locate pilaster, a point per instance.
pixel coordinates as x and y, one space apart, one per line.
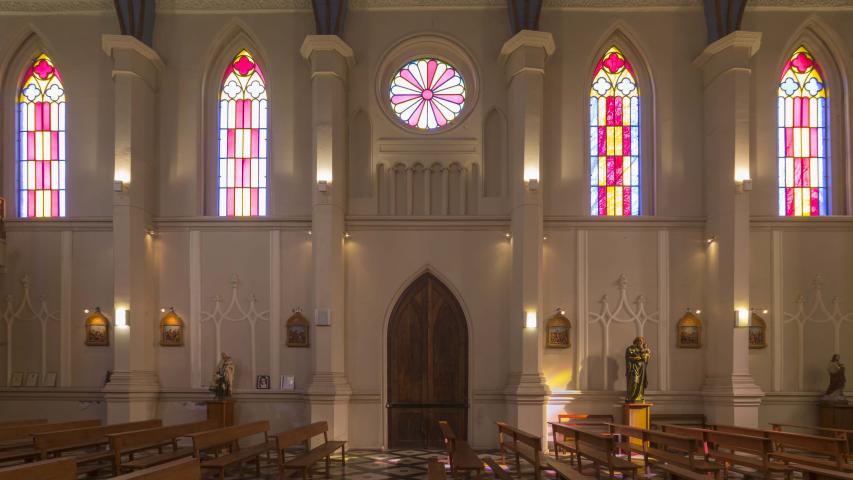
131 393
731 395
329 392
524 57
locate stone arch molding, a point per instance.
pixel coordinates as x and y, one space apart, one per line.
625 311
22 310
236 35
621 36
440 46
24 46
815 310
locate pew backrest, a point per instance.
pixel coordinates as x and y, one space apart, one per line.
227 436
832 447
302 435
26 431
184 469
55 469
520 436
123 440
49 441
688 432
753 432
17 423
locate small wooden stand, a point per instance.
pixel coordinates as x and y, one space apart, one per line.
637 415
222 411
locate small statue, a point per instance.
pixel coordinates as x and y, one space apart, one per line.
637 357
835 391
223 377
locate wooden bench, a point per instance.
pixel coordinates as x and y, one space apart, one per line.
564 471
498 472
522 445
56 469
311 456
435 470
673 454
684 419
229 438
22 435
17 423
462 457
825 431
184 469
78 440
598 448
129 443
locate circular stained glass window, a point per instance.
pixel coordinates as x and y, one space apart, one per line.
427 94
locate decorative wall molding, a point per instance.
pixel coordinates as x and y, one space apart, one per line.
816 311
172 224
419 189
626 311
568 222
582 271
235 312
24 310
840 223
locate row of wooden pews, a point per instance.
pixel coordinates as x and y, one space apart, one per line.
148 450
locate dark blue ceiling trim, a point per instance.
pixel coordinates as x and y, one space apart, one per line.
329 16
136 18
524 14
723 17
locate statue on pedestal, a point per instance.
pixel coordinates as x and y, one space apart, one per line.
637 357
835 391
223 377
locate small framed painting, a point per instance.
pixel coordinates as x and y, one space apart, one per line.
171 330
49 379
287 383
97 329
757 332
32 379
298 331
262 382
17 379
689 331
557 331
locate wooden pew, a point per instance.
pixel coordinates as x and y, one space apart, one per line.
498 472
183 469
128 443
696 420
523 445
229 437
92 438
564 471
18 423
825 431
674 454
56 469
589 421
435 470
462 458
598 448
311 456
22 435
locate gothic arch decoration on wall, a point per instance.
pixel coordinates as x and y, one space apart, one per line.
803 137
815 310
40 139
625 312
242 160
614 138
25 310
235 312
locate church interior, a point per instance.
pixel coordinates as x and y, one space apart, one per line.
376 239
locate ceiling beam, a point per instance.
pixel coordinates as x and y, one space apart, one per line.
723 17
523 14
136 18
329 16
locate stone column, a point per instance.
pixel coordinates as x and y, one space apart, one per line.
524 57
731 395
329 391
133 389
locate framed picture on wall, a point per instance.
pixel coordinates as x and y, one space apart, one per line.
171 330
689 331
757 332
97 329
287 382
49 379
17 379
298 330
557 331
262 382
32 379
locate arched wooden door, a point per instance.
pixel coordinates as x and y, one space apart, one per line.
427 366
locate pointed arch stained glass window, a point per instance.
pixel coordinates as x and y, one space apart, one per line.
41 141
243 139
614 137
803 137
427 94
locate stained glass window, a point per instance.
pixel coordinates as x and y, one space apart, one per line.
243 139
803 137
427 93
614 137
41 141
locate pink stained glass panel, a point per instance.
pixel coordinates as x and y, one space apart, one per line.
427 94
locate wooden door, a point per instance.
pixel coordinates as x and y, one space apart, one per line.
427 366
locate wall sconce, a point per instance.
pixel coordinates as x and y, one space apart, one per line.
530 320
122 317
711 240
741 318
322 186
533 184
346 236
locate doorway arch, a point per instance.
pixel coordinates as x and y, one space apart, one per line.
427 365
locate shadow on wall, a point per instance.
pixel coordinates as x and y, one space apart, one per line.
594 366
